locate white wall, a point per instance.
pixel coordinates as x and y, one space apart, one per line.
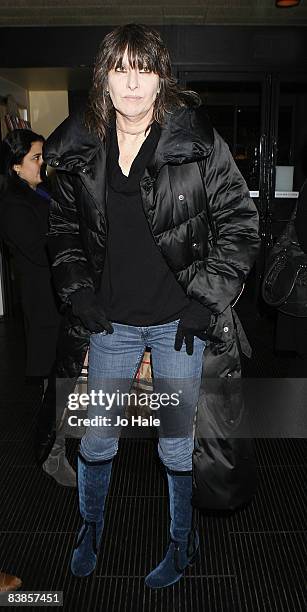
19 93
47 110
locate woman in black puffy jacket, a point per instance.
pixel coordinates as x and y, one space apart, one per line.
138 262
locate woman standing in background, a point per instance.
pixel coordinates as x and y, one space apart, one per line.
24 211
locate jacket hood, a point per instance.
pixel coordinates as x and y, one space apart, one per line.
186 136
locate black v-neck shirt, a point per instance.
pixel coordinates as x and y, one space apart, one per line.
137 286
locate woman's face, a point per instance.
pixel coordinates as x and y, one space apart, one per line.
132 90
29 168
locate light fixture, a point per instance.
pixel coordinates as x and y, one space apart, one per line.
286 3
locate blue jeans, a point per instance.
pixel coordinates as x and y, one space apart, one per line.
114 360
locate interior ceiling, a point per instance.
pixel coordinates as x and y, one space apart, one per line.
157 12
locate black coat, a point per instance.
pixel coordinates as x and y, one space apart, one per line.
291 332
173 199
23 226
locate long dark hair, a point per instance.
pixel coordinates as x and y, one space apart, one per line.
145 47
14 147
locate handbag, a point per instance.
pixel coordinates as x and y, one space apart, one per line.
224 465
284 284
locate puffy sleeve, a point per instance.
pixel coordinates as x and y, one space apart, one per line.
69 263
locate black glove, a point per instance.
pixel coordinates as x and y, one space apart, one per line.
194 322
88 309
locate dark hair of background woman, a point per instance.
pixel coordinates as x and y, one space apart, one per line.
145 48
14 147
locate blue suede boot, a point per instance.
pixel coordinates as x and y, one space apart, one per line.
93 485
184 540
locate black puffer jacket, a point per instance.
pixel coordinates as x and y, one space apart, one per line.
173 198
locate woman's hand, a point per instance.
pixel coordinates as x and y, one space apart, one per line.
194 321
88 309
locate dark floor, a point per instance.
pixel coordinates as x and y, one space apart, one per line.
252 561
